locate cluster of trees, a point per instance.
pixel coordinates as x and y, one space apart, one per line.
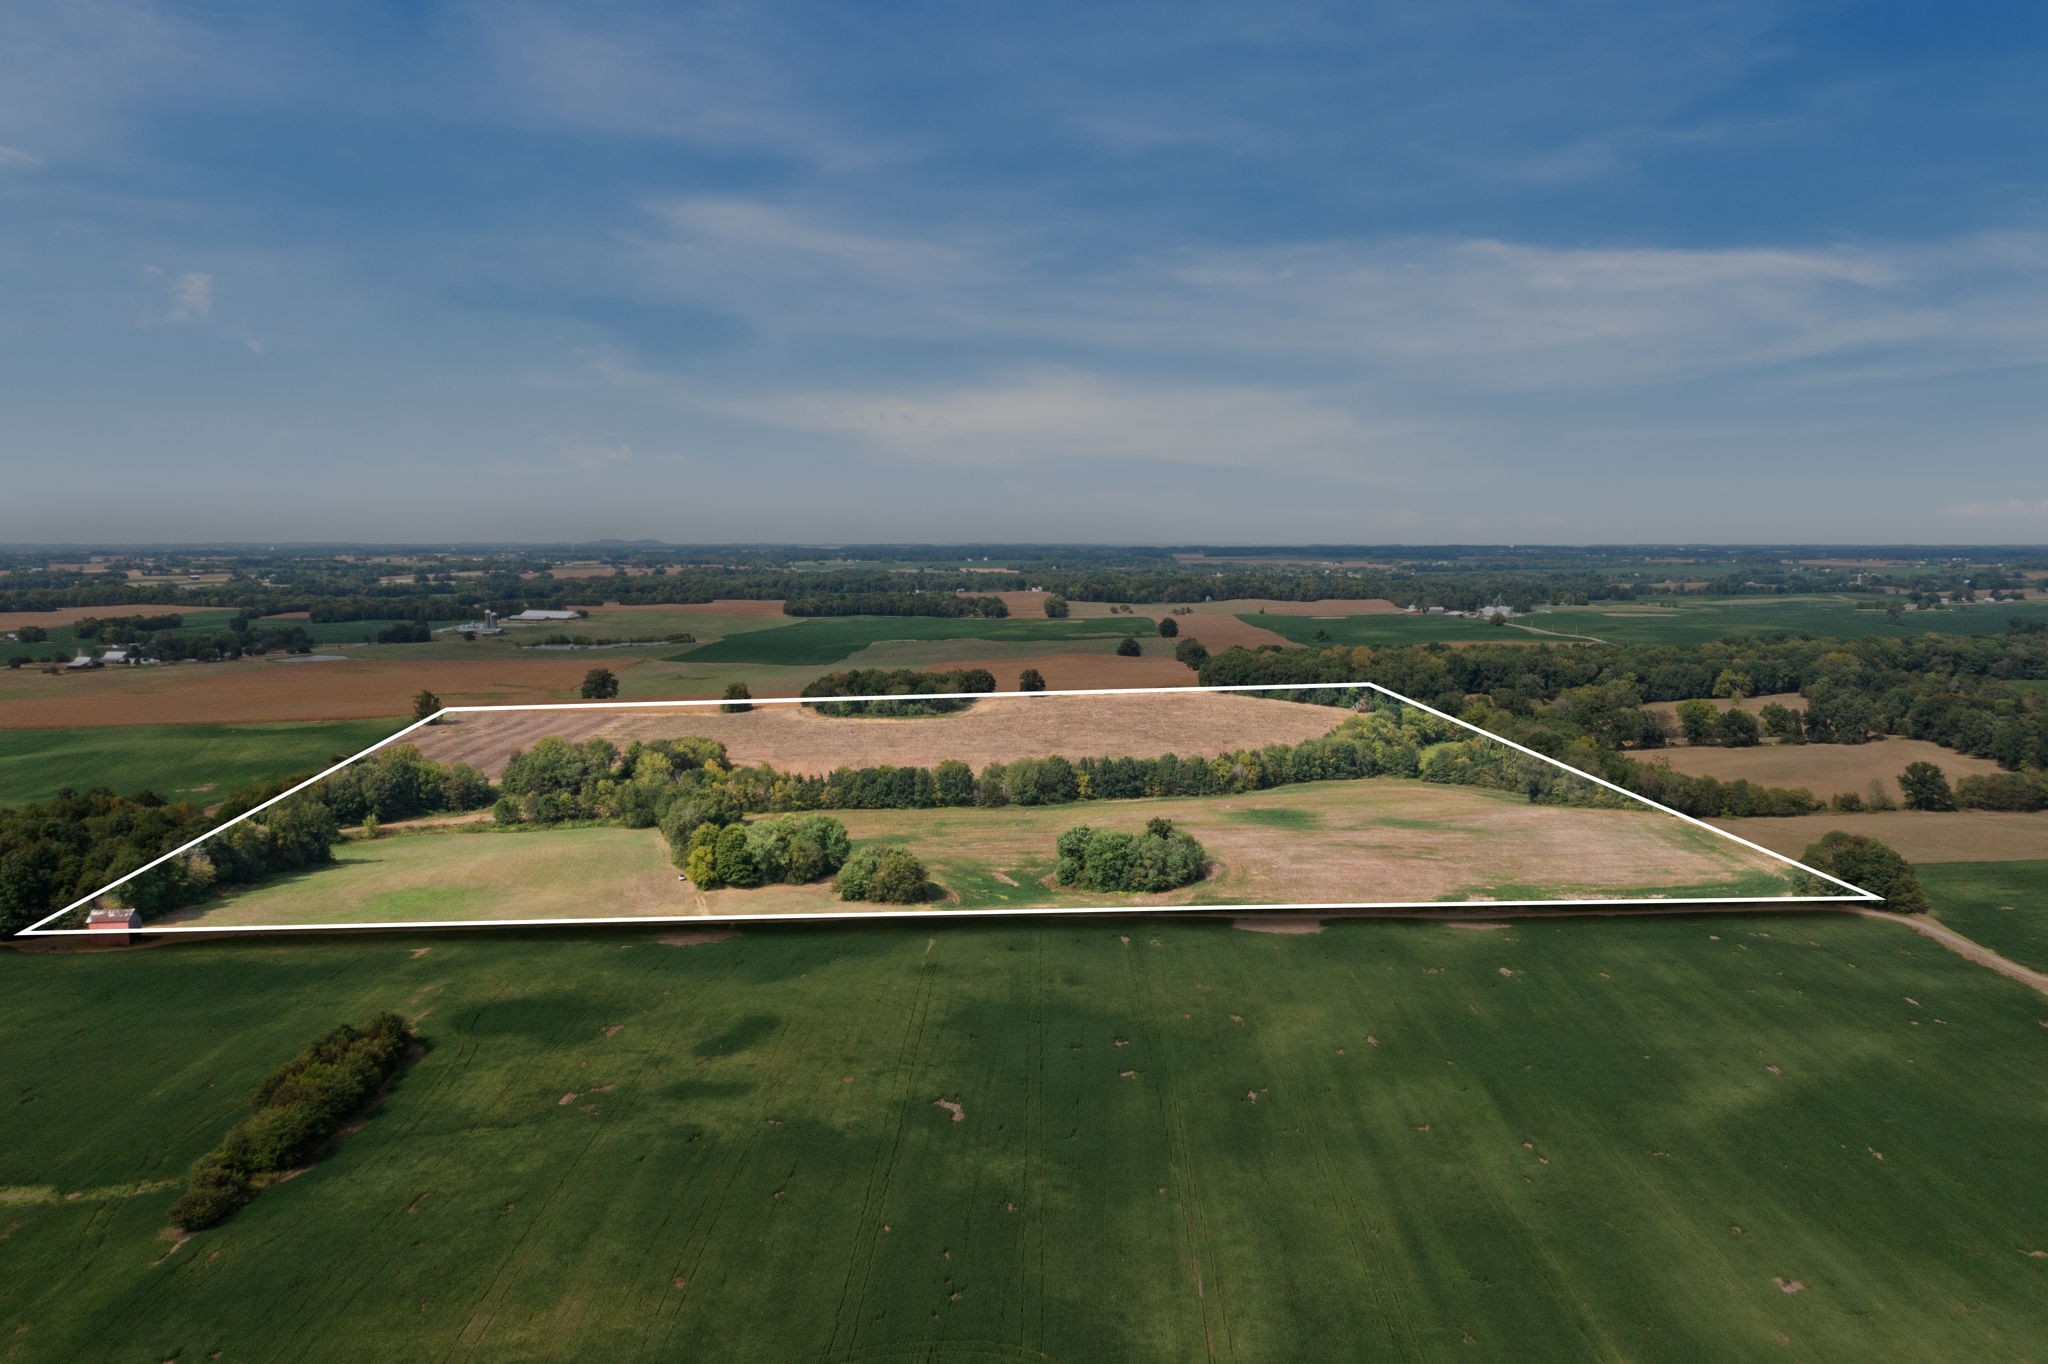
1926 787
403 632
894 604
1864 861
1702 723
898 682
54 851
792 849
398 783
297 1108
1160 858
889 876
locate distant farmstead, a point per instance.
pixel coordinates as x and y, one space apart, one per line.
542 617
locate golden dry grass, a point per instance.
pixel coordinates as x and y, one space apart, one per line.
1919 835
1823 769
796 739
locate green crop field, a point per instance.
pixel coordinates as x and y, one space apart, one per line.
830 639
178 762
1691 621
2003 905
1678 1138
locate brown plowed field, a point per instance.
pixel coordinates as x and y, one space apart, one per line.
1077 672
1918 835
64 615
264 689
795 739
1023 605
1824 769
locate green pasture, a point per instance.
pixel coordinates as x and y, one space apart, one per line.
178 762
829 639
2003 905
1675 1138
1690 620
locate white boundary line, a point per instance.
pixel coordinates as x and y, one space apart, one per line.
1857 893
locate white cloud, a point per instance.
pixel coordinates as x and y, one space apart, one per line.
188 297
14 158
2013 508
591 458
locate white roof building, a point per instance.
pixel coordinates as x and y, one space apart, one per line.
539 617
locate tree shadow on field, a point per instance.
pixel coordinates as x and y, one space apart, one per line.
748 1032
684 1090
541 1015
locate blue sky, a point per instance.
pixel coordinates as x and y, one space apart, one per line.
1428 271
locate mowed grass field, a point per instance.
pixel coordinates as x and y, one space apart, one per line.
1678 1138
178 762
2003 905
1340 842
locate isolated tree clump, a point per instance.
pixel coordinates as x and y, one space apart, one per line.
888 876
1031 680
1864 861
425 705
1055 607
1161 858
1926 788
600 684
737 698
1736 728
1192 652
1168 627
1698 722
795 850
1127 647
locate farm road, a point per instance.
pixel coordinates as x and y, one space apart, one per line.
1964 947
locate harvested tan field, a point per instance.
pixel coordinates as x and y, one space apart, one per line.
1920 836
1023 605
65 615
265 689
1790 700
796 739
723 606
1823 769
291 615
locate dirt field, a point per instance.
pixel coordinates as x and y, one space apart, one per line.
65 615
1023 605
266 689
794 739
1072 672
1823 769
1919 836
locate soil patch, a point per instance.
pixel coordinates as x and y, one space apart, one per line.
1918 835
1824 769
959 1113
692 937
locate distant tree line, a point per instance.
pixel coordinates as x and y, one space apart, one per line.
894 604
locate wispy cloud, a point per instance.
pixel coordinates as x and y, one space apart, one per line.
187 296
2011 509
592 458
14 158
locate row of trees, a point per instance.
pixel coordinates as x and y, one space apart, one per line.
794 849
895 604
297 1109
